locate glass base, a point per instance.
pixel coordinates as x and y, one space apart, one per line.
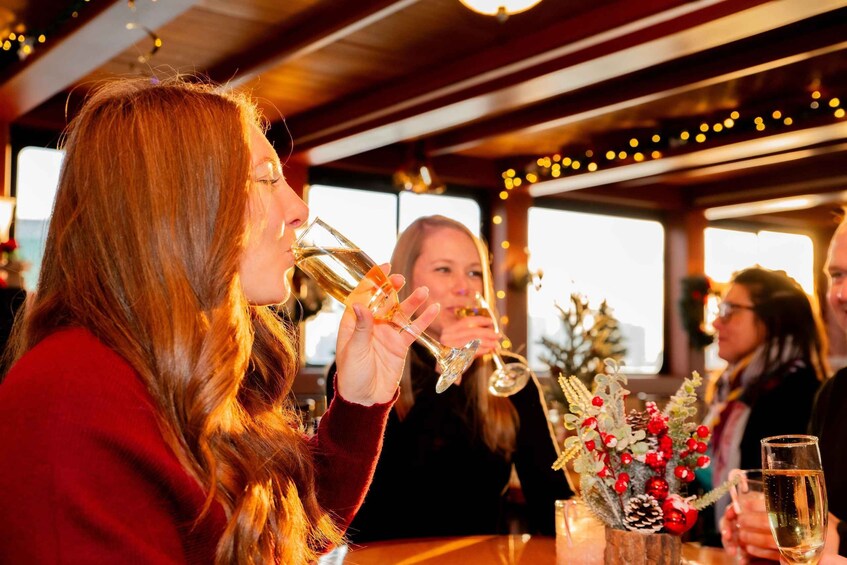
454 364
510 379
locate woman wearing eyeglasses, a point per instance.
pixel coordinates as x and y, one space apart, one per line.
772 338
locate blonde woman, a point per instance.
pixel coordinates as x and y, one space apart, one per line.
145 418
447 458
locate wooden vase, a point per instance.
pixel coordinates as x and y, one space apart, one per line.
635 548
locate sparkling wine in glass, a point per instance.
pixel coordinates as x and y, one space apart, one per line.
795 496
338 266
507 378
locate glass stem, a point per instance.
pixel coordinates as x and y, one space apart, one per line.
498 361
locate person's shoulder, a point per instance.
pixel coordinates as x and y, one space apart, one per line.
72 367
840 376
837 382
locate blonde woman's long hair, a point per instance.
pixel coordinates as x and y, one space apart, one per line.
143 251
495 416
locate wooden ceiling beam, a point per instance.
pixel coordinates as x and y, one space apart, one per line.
593 61
651 86
495 64
59 64
452 169
328 22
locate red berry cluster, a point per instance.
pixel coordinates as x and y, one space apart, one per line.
603 451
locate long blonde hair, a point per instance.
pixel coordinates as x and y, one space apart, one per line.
143 251
495 416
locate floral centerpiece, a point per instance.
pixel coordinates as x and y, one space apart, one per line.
635 468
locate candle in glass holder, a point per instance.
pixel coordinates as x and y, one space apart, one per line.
580 537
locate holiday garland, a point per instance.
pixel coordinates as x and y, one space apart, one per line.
695 292
634 469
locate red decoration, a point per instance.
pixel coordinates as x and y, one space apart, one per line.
590 423
597 401
657 487
680 516
589 445
703 431
8 246
626 459
675 522
703 461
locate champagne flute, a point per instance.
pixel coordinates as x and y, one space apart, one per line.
795 496
338 266
507 378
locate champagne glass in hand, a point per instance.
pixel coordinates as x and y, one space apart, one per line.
507 378
338 266
795 496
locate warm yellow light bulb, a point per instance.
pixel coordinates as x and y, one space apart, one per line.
497 220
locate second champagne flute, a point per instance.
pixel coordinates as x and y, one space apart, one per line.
507 378
795 496
338 266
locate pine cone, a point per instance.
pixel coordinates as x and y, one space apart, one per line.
637 420
643 514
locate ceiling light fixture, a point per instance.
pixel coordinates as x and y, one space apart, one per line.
500 8
416 174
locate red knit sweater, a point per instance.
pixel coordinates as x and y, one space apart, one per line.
86 476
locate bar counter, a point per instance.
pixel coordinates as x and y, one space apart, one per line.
490 550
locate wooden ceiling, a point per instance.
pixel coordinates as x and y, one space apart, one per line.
357 83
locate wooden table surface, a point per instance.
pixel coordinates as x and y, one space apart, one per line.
489 550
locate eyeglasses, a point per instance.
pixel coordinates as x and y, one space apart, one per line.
727 309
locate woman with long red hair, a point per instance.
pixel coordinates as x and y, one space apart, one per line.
146 416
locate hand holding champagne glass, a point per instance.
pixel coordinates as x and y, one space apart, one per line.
339 266
795 496
507 378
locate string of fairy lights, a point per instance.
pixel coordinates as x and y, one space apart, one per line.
676 139
817 109
19 39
